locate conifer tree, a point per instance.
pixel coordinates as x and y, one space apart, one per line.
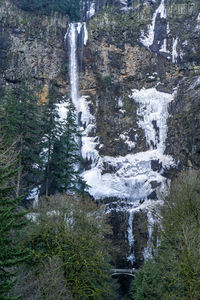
20 122
73 238
11 255
52 130
71 180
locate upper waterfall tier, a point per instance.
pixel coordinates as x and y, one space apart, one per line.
75 32
73 62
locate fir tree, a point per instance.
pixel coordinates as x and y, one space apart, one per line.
11 255
20 122
71 158
52 130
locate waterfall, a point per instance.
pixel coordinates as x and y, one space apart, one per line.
72 35
136 179
75 32
147 39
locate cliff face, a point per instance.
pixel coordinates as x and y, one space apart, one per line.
32 46
117 59
141 45
138 44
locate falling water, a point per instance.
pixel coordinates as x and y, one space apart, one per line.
75 32
72 35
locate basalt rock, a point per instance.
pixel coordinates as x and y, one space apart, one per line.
33 46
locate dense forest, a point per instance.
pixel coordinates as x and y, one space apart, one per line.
46 7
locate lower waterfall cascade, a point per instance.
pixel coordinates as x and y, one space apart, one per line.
135 183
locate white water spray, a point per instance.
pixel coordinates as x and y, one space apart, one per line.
72 34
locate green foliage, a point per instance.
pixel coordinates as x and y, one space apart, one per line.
64 69
52 129
47 147
175 272
62 156
20 123
65 7
11 254
70 236
106 80
70 178
148 282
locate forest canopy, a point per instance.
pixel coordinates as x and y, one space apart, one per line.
65 7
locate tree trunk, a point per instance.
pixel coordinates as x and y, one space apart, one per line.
19 173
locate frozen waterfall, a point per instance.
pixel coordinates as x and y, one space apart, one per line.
136 179
147 39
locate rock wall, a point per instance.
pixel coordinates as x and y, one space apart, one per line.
125 53
33 46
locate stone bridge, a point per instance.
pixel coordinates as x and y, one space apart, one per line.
127 272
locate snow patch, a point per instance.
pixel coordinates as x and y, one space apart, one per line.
34 194
125 137
153 115
85 34
125 6
89 144
174 50
62 110
147 40
164 47
33 217
198 22
91 12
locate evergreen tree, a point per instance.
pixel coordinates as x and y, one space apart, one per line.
20 122
71 180
52 129
11 255
70 240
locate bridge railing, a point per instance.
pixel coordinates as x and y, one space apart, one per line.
129 272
